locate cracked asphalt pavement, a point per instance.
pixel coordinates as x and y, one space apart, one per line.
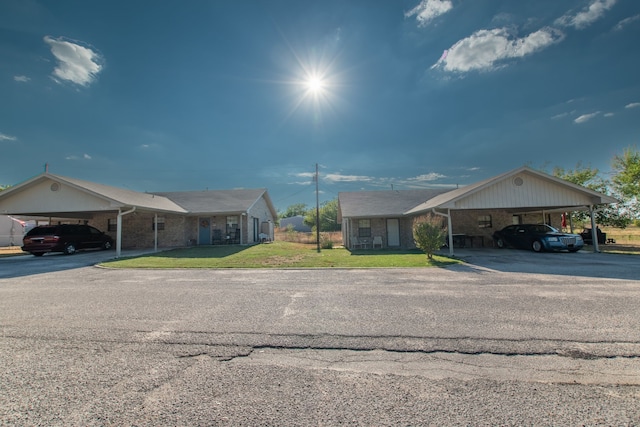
484 343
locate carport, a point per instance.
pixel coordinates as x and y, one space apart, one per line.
49 196
520 191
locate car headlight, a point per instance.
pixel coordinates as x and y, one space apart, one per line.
578 239
552 239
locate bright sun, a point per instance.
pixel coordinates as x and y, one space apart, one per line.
315 84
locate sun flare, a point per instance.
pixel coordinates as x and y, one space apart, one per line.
315 84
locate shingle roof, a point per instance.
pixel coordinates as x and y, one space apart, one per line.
361 204
122 196
215 201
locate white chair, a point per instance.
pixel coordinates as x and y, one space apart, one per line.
377 240
355 243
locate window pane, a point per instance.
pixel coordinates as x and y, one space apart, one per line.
484 221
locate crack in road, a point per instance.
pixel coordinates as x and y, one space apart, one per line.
573 349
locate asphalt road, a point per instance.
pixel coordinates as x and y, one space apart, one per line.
497 341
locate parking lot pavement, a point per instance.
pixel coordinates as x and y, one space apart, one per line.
462 345
583 263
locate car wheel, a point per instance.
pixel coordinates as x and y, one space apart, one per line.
37 253
106 246
500 243
70 249
536 246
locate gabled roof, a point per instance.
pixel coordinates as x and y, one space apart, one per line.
219 201
115 197
389 203
463 198
180 202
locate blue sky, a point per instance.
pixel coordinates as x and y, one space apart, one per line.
174 95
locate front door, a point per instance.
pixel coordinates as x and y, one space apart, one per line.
204 231
393 232
256 229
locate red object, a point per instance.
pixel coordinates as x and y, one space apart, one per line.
564 220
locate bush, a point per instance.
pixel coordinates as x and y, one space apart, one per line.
429 235
325 241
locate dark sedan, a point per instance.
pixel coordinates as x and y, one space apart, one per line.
537 237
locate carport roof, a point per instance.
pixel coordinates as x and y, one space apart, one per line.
504 191
115 197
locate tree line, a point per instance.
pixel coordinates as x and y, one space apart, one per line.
623 184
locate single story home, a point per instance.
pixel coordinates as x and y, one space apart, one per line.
146 220
472 213
295 223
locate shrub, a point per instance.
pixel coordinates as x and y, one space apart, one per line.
325 241
429 235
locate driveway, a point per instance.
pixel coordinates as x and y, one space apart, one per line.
583 263
26 265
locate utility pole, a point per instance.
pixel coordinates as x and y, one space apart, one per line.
317 211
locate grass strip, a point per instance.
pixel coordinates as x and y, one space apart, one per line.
279 255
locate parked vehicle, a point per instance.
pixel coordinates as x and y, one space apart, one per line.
537 237
587 236
67 238
11 231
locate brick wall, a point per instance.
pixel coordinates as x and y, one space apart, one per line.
137 229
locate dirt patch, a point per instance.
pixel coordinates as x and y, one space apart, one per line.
275 261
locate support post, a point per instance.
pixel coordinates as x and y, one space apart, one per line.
119 230
317 212
594 230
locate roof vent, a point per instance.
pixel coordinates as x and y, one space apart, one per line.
518 181
55 186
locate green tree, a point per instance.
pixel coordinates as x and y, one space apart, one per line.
294 210
626 179
328 216
607 215
429 234
4 187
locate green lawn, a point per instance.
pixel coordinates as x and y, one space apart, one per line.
278 255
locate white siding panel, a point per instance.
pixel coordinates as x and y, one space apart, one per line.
533 192
40 198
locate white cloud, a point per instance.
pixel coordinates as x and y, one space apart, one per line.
21 79
586 16
586 117
432 176
620 25
4 137
76 63
74 157
609 114
427 10
336 177
633 105
486 48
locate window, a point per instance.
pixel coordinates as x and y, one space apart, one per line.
516 219
112 224
364 228
160 223
484 221
232 223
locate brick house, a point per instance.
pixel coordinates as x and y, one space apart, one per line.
146 220
471 213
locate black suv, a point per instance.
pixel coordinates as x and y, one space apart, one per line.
67 238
